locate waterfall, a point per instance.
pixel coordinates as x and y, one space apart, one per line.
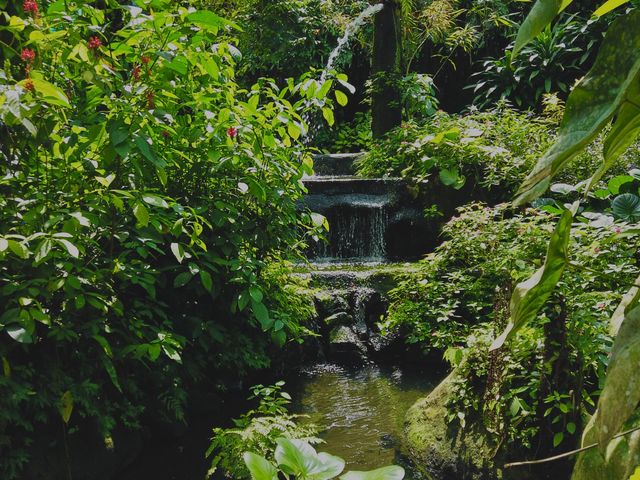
351 29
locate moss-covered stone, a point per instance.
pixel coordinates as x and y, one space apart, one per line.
441 451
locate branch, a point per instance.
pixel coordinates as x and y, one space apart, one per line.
567 454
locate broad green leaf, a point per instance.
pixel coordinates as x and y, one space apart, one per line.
327 113
19 334
299 458
210 21
69 247
621 393
541 15
592 103
111 371
262 314
4 244
627 303
259 467
626 129
50 93
636 475
178 251
141 213
618 181
206 280
66 406
341 98
155 200
451 177
609 5
626 207
104 343
182 279
529 296
256 293
18 249
392 472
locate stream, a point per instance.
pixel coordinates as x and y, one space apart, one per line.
361 408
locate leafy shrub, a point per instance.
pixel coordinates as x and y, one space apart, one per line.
457 302
143 194
551 63
258 431
493 148
354 136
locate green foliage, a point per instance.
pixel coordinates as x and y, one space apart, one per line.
551 62
529 296
282 38
258 431
300 460
609 85
143 194
458 300
493 149
354 136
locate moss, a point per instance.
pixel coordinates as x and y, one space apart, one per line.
439 450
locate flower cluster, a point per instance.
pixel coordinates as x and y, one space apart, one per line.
27 55
31 7
95 43
232 132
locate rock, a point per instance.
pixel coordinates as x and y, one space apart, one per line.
340 318
329 302
441 451
345 343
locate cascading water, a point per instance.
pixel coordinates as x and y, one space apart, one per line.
351 29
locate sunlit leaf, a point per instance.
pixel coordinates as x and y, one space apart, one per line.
259 467
392 472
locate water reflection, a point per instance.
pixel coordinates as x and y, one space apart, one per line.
362 409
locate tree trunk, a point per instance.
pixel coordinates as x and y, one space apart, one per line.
386 109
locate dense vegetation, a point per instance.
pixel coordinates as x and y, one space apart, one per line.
152 156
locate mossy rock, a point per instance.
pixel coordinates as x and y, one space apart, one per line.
441 451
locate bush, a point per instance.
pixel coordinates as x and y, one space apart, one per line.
143 194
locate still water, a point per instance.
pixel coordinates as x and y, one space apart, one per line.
361 410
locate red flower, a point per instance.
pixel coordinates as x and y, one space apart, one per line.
28 55
145 60
151 104
618 230
29 85
232 132
135 73
30 6
94 43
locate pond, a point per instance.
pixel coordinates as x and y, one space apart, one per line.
361 409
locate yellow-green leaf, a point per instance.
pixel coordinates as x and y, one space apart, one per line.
50 93
66 406
609 5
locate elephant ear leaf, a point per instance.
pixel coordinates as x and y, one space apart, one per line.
259 467
529 296
621 393
592 103
392 472
541 15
